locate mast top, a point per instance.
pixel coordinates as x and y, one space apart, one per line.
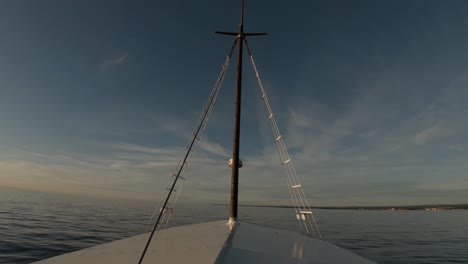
241 34
242 13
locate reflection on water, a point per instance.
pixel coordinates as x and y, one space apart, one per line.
35 226
297 250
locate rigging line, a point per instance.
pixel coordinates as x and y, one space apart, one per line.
276 132
307 202
298 197
174 201
304 201
283 156
218 82
199 127
205 123
158 206
152 217
173 204
163 191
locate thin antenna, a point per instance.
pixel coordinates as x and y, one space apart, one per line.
237 114
242 13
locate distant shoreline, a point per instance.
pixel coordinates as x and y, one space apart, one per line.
426 207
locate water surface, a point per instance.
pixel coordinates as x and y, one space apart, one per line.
35 225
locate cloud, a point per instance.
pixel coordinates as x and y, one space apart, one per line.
142 149
369 152
457 147
385 140
431 133
110 64
213 148
299 119
54 158
448 186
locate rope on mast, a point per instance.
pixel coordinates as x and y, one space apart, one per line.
172 202
304 213
165 211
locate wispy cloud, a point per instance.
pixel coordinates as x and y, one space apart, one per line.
110 64
430 133
369 150
372 145
142 149
55 158
447 186
213 148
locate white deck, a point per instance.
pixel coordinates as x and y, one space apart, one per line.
214 242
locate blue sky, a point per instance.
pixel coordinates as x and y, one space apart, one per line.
100 97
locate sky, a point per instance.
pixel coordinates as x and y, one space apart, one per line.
100 98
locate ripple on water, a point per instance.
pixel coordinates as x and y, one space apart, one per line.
35 226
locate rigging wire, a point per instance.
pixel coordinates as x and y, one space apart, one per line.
201 125
198 139
298 197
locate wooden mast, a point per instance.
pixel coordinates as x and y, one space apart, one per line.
237 115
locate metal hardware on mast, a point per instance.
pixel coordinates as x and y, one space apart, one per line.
237 114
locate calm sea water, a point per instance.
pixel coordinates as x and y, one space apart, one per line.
34 226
